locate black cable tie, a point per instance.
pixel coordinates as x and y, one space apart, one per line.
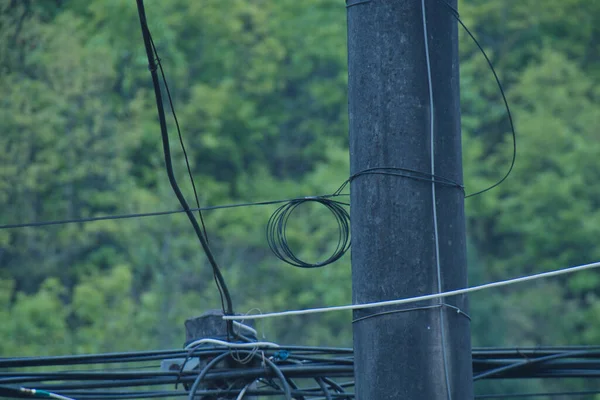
403 310
406 173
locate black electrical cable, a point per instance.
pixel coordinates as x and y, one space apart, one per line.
296 394
141 356
525 363
539 394
218 276
173 393
485 357
294 368
454 12
218 359
95 381
7 391
337 387
277 231
202 374
323 386
286 387
123 395
149 214
530 352
292 385
187 161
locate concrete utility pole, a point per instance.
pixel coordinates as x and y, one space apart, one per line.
422 351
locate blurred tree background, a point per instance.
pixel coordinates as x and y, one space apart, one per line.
260 91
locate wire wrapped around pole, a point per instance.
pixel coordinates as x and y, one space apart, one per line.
277 231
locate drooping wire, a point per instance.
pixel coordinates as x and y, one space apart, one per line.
454 12
226 302
187 162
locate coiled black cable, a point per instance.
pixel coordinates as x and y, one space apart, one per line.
277 231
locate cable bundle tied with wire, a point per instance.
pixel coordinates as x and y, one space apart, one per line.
277 231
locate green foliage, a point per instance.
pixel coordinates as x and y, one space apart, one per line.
545 216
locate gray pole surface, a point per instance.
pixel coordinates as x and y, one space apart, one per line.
423 352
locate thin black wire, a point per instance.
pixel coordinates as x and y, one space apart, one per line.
540 394
525 363
297 394
187 162
149 214
141 356
454 12
217 275
172 393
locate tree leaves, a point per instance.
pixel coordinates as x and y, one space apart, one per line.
260 91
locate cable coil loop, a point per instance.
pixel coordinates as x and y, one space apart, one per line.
277 231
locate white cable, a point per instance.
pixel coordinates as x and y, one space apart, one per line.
231 345
433 197
241 326
416 299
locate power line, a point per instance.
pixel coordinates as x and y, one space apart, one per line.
526 362
454 12
538 394
410 300
187 162
152 214
224 294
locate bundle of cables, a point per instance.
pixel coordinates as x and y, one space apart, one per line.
237 370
